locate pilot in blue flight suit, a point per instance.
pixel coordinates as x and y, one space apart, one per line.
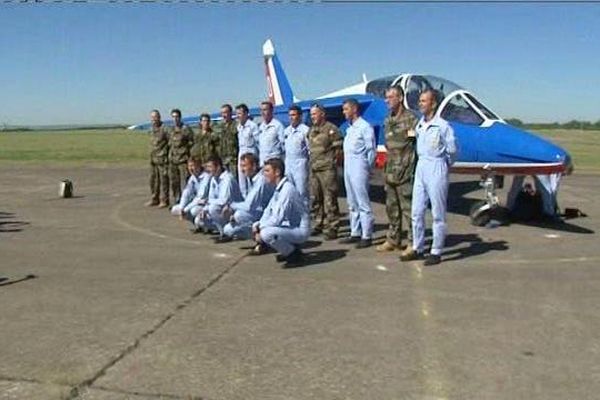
245 213
270 137
296 152
223 191
195 190
436 152
247 140
285 223
359 157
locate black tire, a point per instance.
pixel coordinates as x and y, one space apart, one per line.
480 218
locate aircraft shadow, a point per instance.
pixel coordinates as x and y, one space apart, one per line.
476 246
319 257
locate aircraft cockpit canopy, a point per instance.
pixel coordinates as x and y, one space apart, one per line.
377 87
456 104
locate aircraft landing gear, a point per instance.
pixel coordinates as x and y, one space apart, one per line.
485 210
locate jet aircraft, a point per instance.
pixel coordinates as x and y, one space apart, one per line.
488 146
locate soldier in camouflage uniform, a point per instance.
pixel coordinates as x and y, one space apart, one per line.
159 162
205 141
228 140
325 144
399 168
180 140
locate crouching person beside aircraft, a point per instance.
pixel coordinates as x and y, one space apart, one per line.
242 214
285 223
436 151
194 193
223 190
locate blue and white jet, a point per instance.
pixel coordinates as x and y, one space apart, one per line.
488 146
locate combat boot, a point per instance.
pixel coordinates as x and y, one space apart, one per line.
151 203
410 254
386 247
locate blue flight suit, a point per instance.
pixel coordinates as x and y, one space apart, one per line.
285 222
247 143
296 157
436 152
359 157
195 189
270 140
248 211
223 191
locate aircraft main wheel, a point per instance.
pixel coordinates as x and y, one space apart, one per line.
481 213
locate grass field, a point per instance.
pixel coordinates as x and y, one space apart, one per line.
119 146
102 146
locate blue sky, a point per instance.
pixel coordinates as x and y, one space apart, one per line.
112 63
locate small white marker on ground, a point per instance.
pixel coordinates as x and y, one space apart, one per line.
220 255
381 268
551 235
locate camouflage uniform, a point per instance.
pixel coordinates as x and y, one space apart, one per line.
228 145
159 164
205 145
399 173
180 141
325 142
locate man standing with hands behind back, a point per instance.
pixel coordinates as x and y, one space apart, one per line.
359 157
436 150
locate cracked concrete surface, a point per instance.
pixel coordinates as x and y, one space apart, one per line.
126 304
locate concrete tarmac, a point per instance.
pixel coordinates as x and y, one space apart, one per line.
102 298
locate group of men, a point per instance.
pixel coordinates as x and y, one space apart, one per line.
268 182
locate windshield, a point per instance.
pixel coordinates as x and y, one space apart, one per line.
458 110
377 87
486 111
418 83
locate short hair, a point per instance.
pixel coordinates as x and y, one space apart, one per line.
351 101
318 106
250 157
398 90
155 111
227 106
204 115
215 160
434 93
242 107
194 160
295 107
176 111
267 103
276 163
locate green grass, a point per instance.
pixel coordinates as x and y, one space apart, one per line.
98 146
584 146
120 146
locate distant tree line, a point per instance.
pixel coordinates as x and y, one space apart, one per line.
573 124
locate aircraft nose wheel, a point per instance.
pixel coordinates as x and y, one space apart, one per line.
483 211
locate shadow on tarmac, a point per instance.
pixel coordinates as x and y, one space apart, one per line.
320 257
10 226
476 246
6 282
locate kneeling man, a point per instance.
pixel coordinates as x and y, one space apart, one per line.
285 223
223 190
244 213
194 193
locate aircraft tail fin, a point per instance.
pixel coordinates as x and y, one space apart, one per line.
278 86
